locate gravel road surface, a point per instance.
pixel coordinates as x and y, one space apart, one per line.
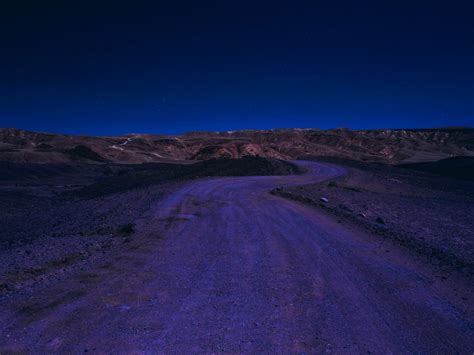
221 265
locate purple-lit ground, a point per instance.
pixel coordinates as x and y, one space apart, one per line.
221 265
148 199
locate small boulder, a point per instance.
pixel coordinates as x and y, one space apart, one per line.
379 220
324 199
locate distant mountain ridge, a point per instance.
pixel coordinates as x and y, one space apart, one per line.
392 146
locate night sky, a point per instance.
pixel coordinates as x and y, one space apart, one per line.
174 66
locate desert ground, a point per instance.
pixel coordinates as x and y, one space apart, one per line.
232 177
247 255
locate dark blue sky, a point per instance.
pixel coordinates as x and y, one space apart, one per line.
172 66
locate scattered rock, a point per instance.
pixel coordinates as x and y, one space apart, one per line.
345 208
127 229
5 288
125 307
351 188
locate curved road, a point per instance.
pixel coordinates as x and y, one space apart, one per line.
223 266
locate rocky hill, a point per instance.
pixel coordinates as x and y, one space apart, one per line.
388 146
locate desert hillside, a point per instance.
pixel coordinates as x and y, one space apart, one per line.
388 146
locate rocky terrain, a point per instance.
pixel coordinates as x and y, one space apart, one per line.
60 217
147 243
388 146
220 265
430 214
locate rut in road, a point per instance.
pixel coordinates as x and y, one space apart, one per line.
223 266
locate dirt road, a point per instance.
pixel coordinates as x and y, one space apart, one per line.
223 266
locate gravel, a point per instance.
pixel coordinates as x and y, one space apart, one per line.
430 214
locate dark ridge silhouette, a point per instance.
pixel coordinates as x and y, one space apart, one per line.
456 167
